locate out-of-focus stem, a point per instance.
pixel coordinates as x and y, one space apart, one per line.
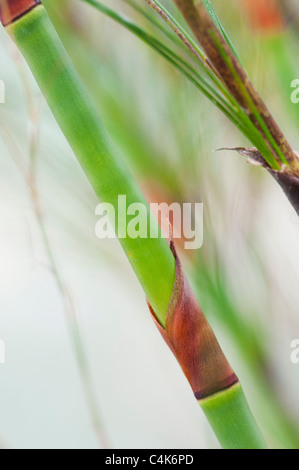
30 179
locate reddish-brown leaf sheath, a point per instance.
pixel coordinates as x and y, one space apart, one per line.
11 10
192 340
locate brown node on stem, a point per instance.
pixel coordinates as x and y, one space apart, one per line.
11 10
192 340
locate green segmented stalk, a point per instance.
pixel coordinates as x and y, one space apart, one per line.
229 415
151 258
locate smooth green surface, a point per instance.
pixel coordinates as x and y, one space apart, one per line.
229 415
38 41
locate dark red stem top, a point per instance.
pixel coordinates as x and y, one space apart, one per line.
11 10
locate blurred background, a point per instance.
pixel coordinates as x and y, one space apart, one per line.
117 384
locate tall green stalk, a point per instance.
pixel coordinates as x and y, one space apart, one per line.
230 411
151 258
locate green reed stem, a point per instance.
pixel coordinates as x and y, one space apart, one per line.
38 41
230 410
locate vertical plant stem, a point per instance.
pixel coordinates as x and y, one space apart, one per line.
223 411
150 258
69 307
73 328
